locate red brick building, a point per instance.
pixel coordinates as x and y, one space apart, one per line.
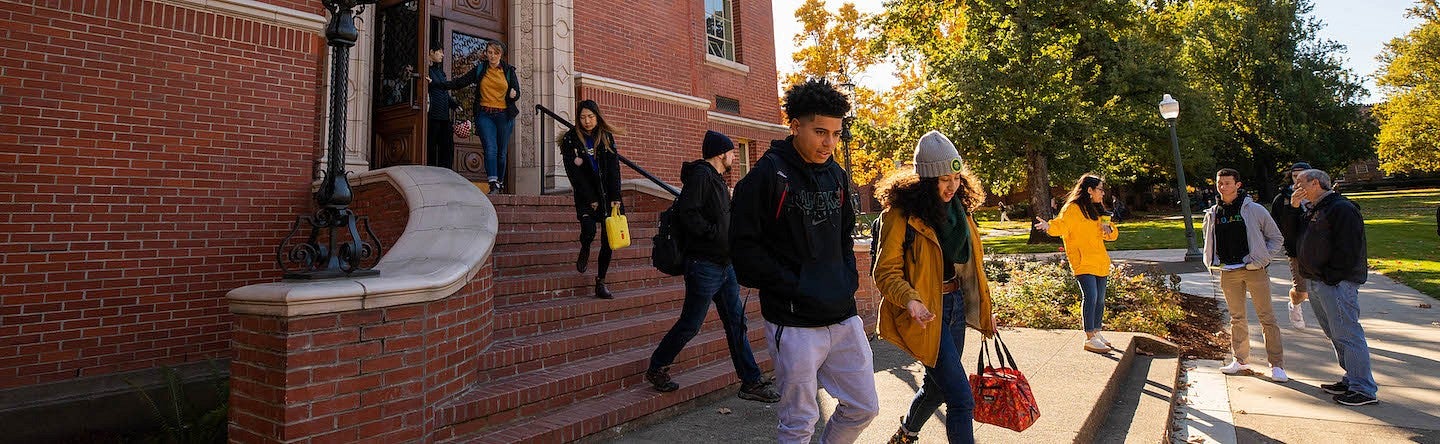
153 153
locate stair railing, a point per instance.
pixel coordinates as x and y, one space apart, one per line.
541 110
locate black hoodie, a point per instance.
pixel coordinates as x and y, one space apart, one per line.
704 211
790 238
1290 219
1332 249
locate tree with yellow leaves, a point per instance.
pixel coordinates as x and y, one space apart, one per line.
1410 79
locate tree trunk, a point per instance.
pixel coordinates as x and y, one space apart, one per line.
1038 184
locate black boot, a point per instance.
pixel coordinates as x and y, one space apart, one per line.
583 259
600 290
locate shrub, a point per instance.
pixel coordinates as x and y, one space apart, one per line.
1043 294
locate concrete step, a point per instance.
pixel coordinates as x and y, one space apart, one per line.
565 403
530 288
1142 401
567 313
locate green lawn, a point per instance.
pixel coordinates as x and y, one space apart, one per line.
1399 230
1400 236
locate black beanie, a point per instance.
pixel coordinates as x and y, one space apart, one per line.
1300 166
716 144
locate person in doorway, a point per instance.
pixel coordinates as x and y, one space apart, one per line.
440 138
1241 239
1084 227
1288 210
703 209
1333 257
495 110
791 220
931 275
593 166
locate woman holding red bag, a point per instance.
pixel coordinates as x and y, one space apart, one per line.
929 269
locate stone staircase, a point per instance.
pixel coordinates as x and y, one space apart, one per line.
564 364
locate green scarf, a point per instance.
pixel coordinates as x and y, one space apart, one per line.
954 237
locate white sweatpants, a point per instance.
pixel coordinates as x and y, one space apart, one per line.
837 357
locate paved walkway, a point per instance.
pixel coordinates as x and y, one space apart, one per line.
1405 355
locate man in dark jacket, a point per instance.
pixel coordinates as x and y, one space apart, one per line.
440 140
704 211
1288 210
1332 256
790 229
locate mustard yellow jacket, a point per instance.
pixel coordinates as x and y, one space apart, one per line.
923 284
1084 241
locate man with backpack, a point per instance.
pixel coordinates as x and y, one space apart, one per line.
702 215
790 238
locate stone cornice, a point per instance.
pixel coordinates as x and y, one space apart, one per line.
450 234
620 86
257 11
746 122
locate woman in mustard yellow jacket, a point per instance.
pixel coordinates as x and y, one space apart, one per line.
930 271
1085 226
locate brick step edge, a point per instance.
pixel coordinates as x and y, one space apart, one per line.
598 414
535 392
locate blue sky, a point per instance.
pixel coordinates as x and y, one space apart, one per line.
1363 26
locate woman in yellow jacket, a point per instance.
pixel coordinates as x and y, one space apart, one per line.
930 271
1085 227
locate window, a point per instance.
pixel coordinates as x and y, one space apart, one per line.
727 105
1362 168
742 158
720 29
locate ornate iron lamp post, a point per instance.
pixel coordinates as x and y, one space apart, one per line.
1170 110
327 253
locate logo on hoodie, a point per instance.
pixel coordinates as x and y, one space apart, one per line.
819 206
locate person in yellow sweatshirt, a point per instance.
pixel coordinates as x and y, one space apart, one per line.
930 271
1085 226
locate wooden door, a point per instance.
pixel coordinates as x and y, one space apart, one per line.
399 97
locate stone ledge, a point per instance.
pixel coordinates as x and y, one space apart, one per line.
450 234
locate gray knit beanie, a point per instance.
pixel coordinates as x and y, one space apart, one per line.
935 156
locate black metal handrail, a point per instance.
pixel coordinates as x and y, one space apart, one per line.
541 109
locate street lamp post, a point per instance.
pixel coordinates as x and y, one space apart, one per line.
335 248
1170 110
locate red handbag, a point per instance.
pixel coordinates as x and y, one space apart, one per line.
1002 394
463 129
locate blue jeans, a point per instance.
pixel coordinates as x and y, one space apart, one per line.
1092 307
707 281
1337 308
947 382
494 131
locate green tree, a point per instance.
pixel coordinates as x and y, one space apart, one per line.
1278 92
1410 80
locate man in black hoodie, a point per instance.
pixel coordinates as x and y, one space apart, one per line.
1333 257
791 221
704 211
1288 210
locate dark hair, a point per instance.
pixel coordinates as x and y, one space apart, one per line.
501 44
919 197
601 128
1228 172
815 97
1080 197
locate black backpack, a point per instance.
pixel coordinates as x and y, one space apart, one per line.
667 252
875 242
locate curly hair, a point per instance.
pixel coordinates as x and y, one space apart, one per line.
916 196
1080 197
815 97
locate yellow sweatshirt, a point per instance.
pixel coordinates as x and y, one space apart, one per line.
1084 241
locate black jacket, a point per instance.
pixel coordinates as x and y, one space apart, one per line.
589 187
703 209
478 72
441 102
790 238
1332 249
1290 219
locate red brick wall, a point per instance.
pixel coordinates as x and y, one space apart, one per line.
386 209
667 41
361 376
153 157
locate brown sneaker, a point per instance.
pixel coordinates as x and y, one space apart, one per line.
903 437
761 390
660 379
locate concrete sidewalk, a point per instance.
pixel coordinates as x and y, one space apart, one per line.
1404 344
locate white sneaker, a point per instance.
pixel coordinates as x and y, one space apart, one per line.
1297 316
1277 374
1094 345
1234 367
1103 340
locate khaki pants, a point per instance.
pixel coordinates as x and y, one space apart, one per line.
1234 284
